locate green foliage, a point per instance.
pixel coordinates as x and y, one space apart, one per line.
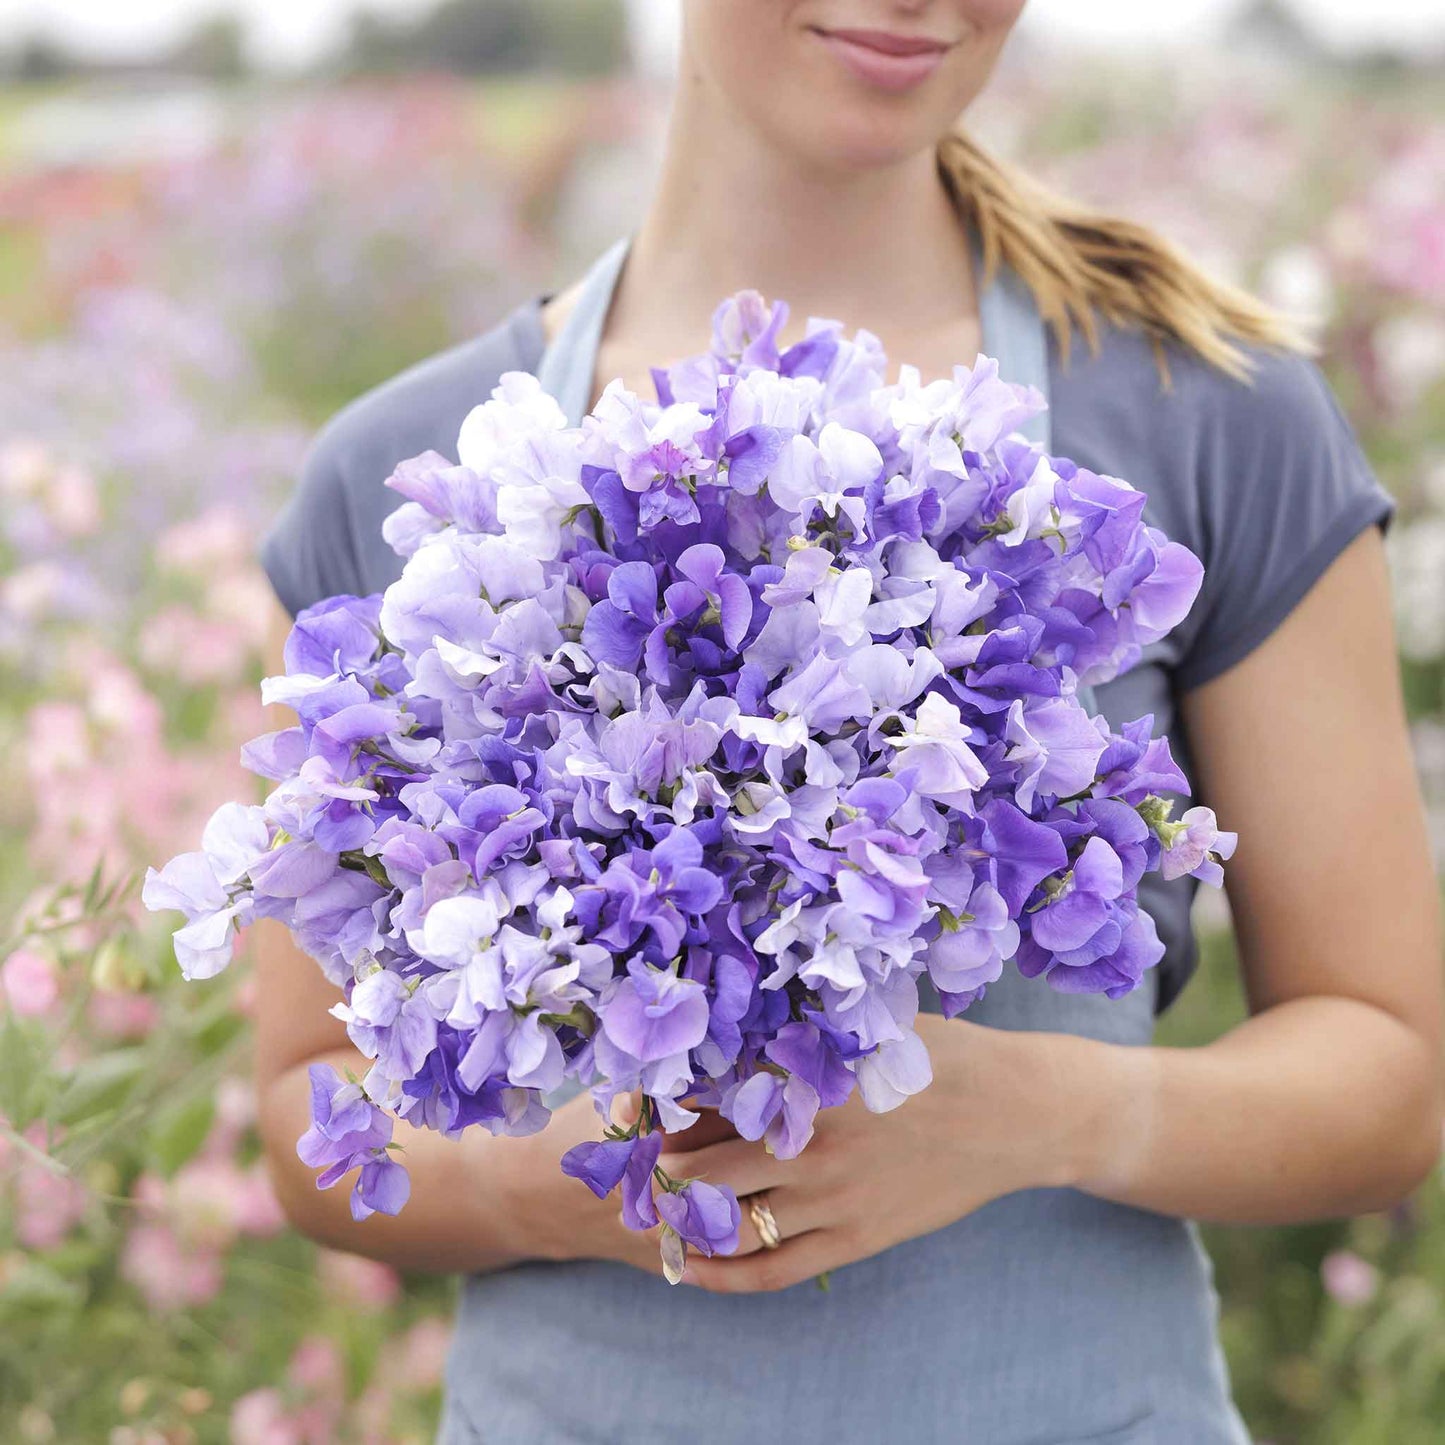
497 37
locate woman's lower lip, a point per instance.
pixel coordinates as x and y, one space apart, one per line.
887 72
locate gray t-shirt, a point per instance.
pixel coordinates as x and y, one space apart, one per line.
1265 483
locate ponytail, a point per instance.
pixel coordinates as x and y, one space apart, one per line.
1078 261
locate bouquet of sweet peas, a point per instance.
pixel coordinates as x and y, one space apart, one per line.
688 742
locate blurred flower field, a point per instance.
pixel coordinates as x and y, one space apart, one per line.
180 305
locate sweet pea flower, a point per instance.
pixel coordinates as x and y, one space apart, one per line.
703 1216
349 1132
1197 847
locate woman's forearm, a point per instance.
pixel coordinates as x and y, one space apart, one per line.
1317 1107
463 1214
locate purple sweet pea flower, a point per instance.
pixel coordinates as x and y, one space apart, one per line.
617 629
390 1021
1077 908
969 953
705 567
1024 852
292 870
599 1163
1112 963
776 1108
1197 847
651 1014
1056 747
445 492
605 1163
703 1216
335 635
349 1132
208 887
383 1187
895 1070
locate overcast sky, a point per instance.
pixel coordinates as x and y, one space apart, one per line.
295 30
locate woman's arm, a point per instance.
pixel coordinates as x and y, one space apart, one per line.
1325 1102
477 1203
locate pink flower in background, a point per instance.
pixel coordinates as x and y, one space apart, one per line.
49 1202
30 593
29 983
119 1014
217 538
260 1418
58 741
169 1273
235 1102
420 1360
174 1254
1348 1279
47 500
318 1373
317 1366
201 1202
103 779
257 1210
211 1200
71 502
195 650
353 1280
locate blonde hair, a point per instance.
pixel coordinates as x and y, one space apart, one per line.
1078 261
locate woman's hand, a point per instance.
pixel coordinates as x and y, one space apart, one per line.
555 1217
1004 1112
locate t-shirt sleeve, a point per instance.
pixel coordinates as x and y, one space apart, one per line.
1283 488
310 550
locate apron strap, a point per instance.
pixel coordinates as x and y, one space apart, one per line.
1013 334
570 360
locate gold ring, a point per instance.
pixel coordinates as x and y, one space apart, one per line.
761 1214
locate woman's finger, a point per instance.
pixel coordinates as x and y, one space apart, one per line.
793 1213
710 1128
625 1108
741 1164
793 1262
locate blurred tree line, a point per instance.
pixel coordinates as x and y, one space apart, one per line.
487 37
470 37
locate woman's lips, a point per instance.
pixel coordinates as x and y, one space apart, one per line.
891 62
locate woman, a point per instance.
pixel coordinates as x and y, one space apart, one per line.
1009 1254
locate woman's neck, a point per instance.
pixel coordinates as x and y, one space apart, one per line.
877 246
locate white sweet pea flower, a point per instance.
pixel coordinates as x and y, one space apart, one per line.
830 472
539 488
785 732
1030 508
290 690
936 746
895 1070
457 929
843 599
892 679
518 407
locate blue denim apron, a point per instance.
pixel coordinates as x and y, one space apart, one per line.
1045 1317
